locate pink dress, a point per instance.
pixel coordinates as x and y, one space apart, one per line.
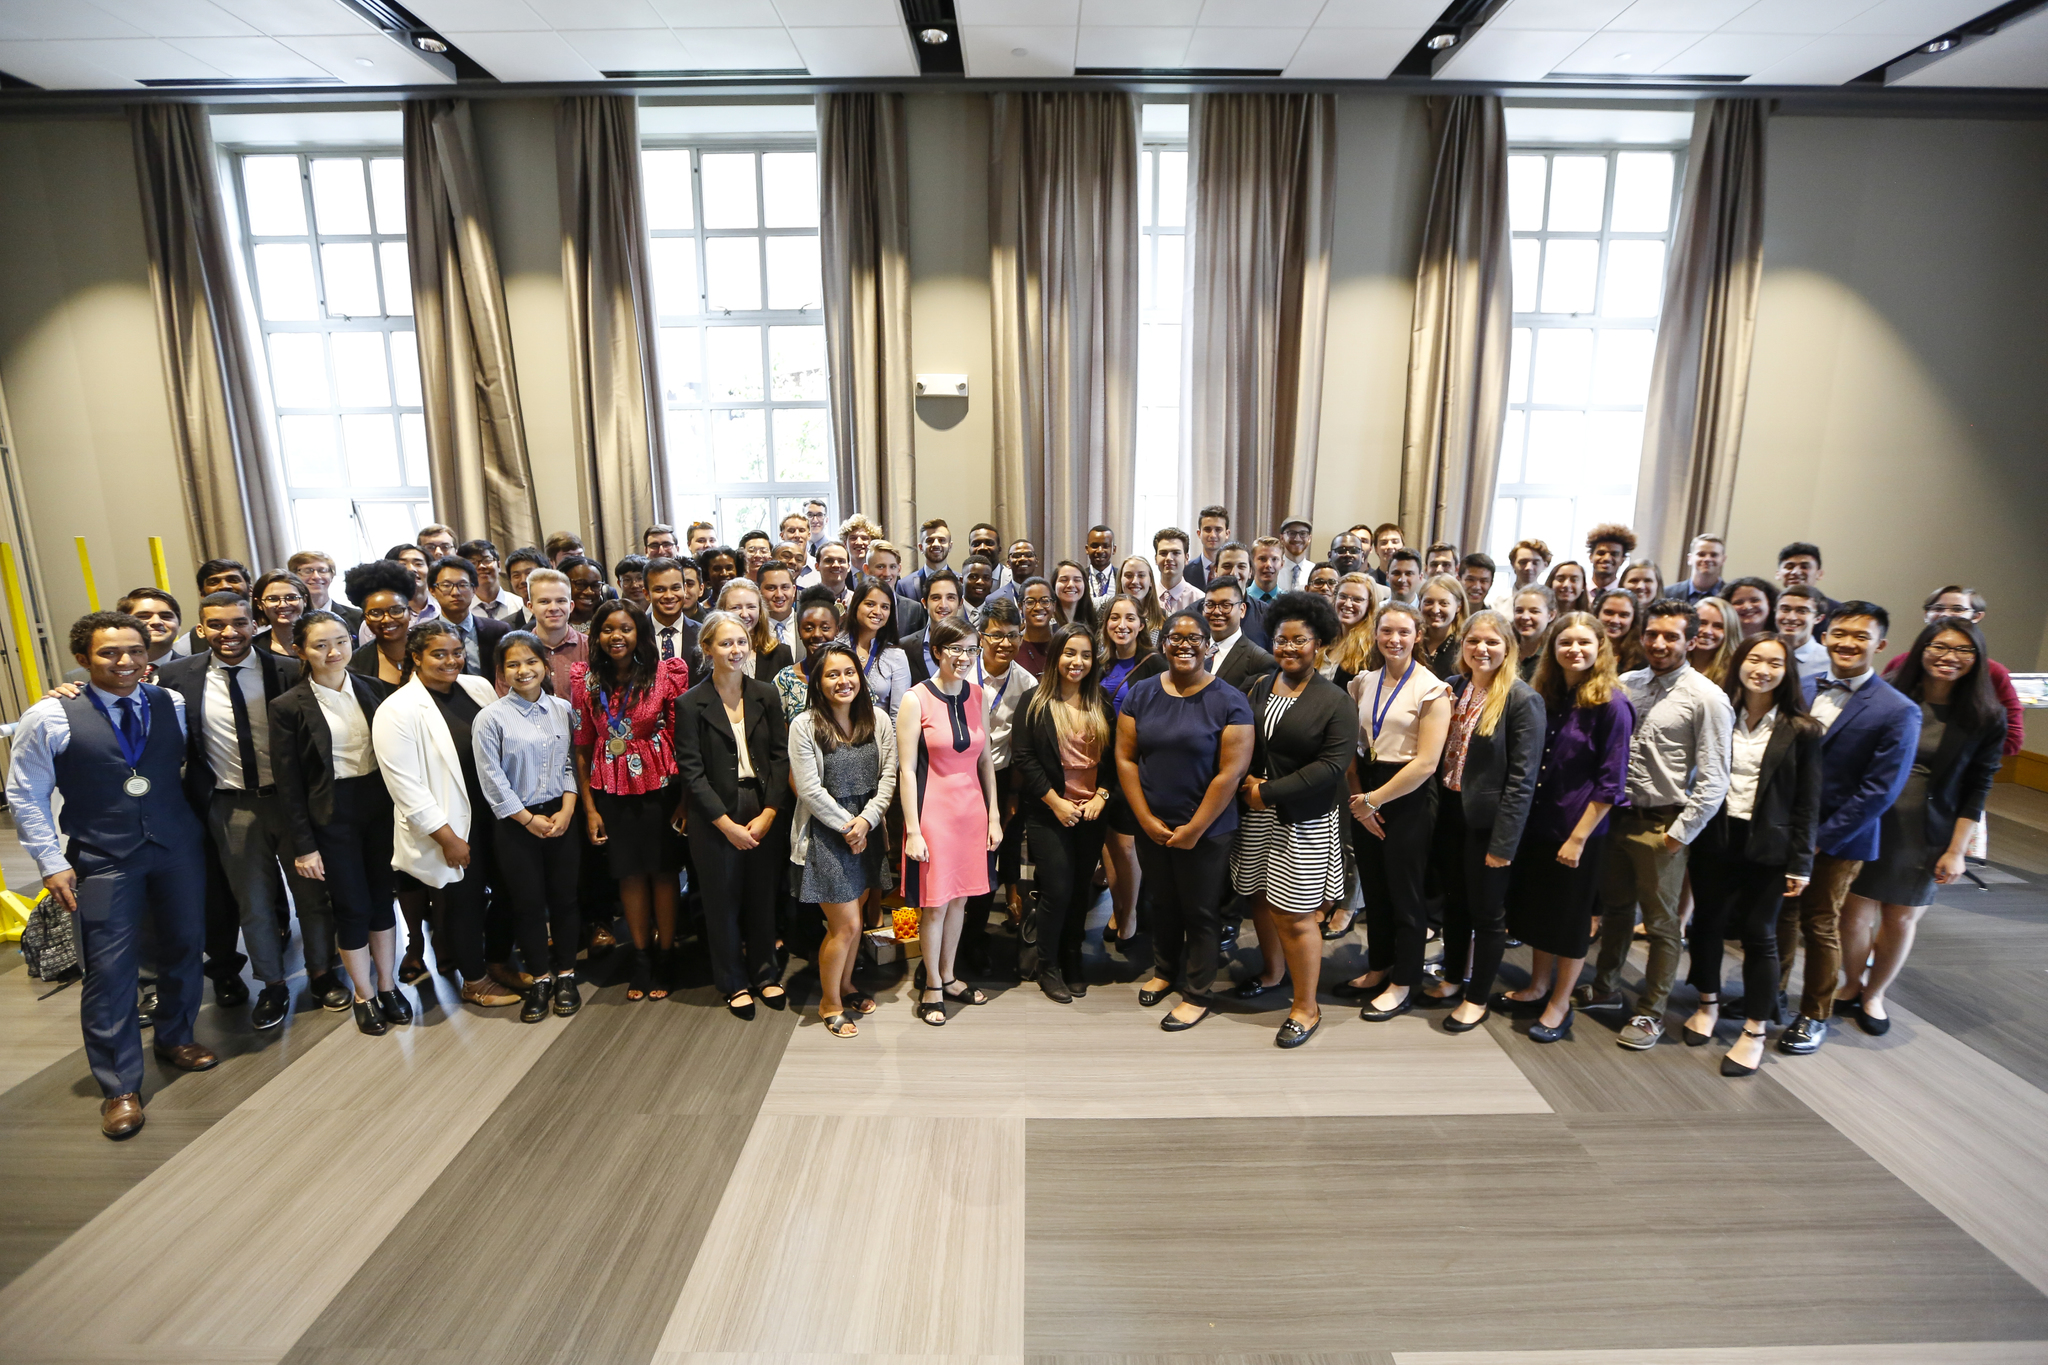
952 809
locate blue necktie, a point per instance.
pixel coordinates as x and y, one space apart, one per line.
131 724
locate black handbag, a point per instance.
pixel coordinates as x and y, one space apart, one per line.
49 942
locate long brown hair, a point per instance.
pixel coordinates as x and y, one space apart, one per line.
1786 697
1089 699
860 713
1550 678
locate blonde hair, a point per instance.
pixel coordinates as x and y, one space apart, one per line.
1149 609
1550 677
1353 651
708 632
761 639
1723 663
1504 679
1460 604
555 576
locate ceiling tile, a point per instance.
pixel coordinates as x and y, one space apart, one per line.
33 19
1043 13
1366 54
524 56
248 59
1156 47
842 14
1141 13
2016 55
1830 59
474 16
875 50
1584 16
295 18
1734 54
1679 16
179 18
1260 13
687 14
1614 53
142 59
1510 54
55 66
1244 48
1414 15
1914 20
629 49
390 64
994 50
741 49
1795 16
597 15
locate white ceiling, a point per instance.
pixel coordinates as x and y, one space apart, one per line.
110 44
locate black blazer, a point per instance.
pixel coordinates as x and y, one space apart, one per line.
913 650
302 753
363 662
1254 624
1965 765
708 754
1499 780
488 633
1305 761
1245 665
766 666
1781 824
1035 767
187 677
351 616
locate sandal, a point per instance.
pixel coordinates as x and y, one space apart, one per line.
839 1026
932 1012
638 980
971 996
412 969
857 1002
658 977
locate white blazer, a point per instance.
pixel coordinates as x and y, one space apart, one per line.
417 756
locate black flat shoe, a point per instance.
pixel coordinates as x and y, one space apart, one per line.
745 1011
1847 1009
327 989
1456 1025
1292 1034
1693 1037
1373 1016
1351 990
1538 1033
395 1008
1731 1067
1426 1000
230 992
1173 1025
273 1007
568 998
1876 1028
1254 988
1331 935
777 1001
369 1021
1150 998
1506 1003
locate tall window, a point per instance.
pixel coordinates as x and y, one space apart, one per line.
1162 281
1591 228
734 255
325 235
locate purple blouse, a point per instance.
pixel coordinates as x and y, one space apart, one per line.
1585 759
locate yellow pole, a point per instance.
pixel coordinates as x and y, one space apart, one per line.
156 562
24 642
92 592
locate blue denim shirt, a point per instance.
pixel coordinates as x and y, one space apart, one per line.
523 754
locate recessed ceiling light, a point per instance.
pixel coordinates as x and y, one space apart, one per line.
430 44
933 36
1939 45
1020 52
1441 42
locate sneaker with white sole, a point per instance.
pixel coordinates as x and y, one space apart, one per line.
1641 1033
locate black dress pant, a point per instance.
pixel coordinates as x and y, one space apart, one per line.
739 890
1057 922
1187 888
1475 900
1009 859
1732 896
1390 875
356 852
537 880
459 908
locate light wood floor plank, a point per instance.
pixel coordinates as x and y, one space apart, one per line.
1906 1353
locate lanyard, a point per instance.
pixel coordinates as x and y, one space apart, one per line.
874 648
1123 681
981 677
1380 713
132 757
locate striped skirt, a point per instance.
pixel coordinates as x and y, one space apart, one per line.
1298 868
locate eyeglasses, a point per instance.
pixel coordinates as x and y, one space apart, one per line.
284 601
386 614
1002 637
958 653
1950 652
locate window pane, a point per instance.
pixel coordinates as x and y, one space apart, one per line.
1613 449
1173 189
1622 374
387 193
360 379
330 525
796 360
405 368
1159 364
1146 163
1578 189
1549 520
673 261
341 201
689 467
1571 269
1525 193
284 282
733 362
310 457
277 201
794 277
1511 433
739 445
729 190
350 272
372 450
737 516
732 268
1642 191
388 523
1635 280
1522 262
665 188
1518 367
298 370
789 189
1564 364
1170 277
1506 529
682 365
412 440
1554 441
397 279
800 446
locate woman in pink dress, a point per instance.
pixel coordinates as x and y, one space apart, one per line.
951 824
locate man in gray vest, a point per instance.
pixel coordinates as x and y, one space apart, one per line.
130 848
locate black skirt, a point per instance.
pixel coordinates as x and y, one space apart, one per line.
638 840
1550 906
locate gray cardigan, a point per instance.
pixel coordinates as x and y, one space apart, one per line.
813 802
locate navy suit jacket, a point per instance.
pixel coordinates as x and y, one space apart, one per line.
1865 758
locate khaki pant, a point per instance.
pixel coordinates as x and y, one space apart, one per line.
1640 871
1815 918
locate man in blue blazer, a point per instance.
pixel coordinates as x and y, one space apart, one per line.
1873 731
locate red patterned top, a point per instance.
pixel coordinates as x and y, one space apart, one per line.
643 734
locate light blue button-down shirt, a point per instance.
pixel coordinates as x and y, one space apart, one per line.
523 752
44 733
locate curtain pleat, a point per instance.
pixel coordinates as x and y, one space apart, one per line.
614 390
476 438
235 504
1264 166
1063 265
864 237
1458 348
1699 381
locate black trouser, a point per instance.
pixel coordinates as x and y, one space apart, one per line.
1187 888
739 889
1732 895
356 852
537 880
1009 857
1475 900
224 958
459 907
1065 856
1390 874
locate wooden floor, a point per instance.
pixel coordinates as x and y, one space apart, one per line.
661 1182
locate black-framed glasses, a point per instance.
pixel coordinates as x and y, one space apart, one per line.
1951 651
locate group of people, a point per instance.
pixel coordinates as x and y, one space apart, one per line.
512 752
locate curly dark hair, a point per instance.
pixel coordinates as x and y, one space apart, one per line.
1311 609
640 667
378 575
85 627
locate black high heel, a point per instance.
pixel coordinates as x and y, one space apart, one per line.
1731 1067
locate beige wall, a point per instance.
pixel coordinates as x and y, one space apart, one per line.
79 360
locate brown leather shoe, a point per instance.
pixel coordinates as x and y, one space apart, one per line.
121 1115
187 1057
487 993
501 972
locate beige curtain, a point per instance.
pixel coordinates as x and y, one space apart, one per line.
1063 265
476 439
1263 169
1458 347
864 231
1699 381
614 392
234 490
